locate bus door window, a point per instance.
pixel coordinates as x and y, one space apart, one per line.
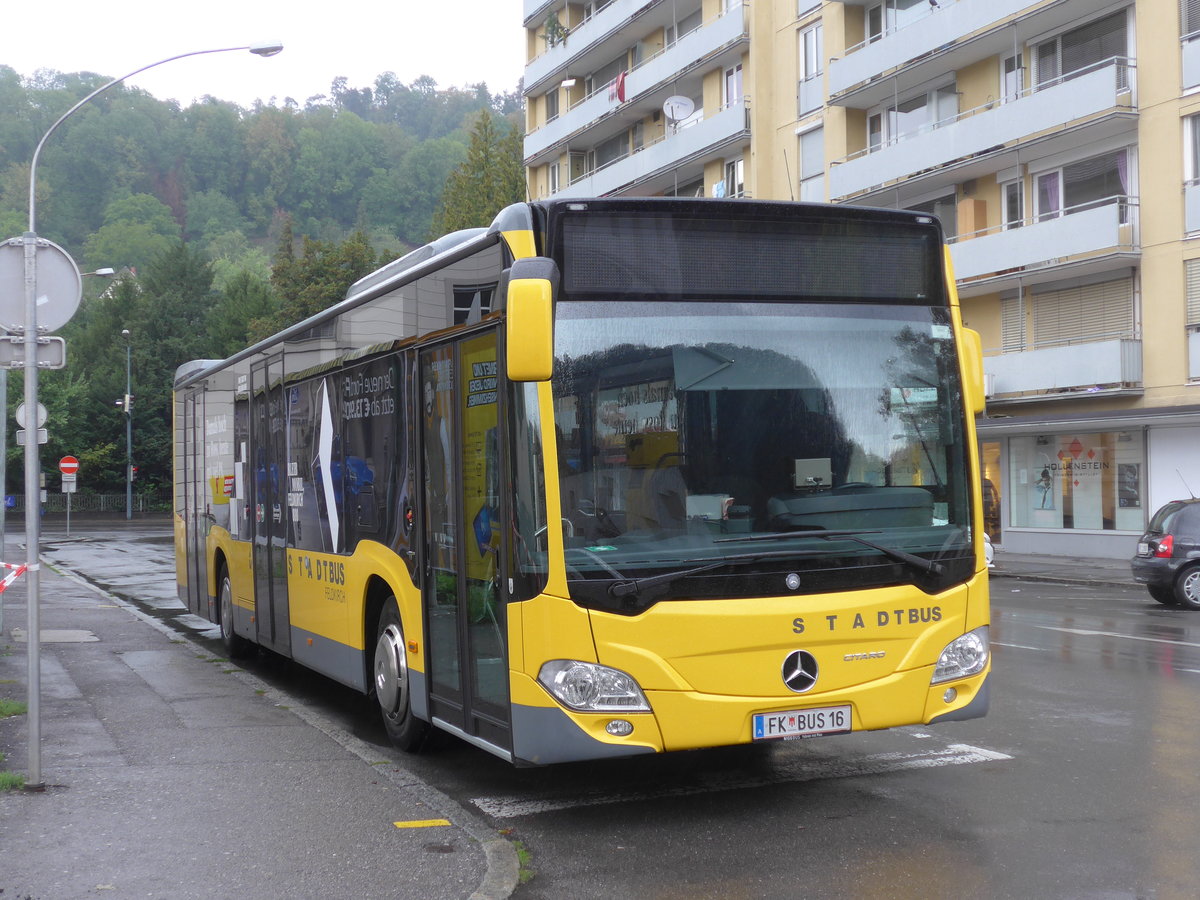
466 620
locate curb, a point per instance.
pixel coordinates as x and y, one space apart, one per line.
502 865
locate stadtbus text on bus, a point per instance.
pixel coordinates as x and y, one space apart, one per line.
610 477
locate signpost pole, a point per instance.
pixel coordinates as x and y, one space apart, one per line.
68 466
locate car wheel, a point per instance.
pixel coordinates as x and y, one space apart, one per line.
235 645
1162 593
391 683
1187 587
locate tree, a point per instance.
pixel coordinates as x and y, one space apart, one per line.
490 178
246 303
316 280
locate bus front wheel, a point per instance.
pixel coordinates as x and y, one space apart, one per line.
392 685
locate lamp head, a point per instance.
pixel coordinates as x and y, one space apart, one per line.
266 48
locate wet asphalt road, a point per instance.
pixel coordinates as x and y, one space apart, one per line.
1081 782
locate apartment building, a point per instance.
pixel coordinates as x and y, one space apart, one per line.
1058 141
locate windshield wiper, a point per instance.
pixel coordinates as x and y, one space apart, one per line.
927 566
636 585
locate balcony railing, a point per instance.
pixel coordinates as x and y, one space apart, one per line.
1191 61
1093 366
1107 225
943 26
1191 204
580 37
1104 88
699 44
810 94
669 151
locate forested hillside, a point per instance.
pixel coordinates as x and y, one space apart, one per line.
225 224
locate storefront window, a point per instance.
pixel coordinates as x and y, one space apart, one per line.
1091 482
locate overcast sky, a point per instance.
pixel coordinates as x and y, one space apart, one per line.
456 42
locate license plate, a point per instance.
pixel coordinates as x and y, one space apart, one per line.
801 723
1143 548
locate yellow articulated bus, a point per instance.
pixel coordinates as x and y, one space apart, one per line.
610 477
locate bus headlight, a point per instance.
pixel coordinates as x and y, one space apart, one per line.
588 687
963 656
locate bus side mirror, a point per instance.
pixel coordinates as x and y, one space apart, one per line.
972 361
529 309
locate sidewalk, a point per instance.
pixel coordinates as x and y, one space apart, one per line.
170 773
1062 569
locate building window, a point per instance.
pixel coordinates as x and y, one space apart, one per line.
1082 49
615 148
1013 210
733 85
1191 148
812 43
884 18
552 177
812 165
1189 18
552 105
912 116
811 95
1091 481
735 178
685 26
946 211
1086 184
1089 312
1012 79
1012 323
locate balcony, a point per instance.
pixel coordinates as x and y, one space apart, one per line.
646 86
1066 371
943 27
581 39
810 95
1191 205
1103 236
705 139
987 131
1191 62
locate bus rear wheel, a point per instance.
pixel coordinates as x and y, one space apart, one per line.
391 683
235 645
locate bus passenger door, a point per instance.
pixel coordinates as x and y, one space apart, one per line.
195 512
464 613
268 491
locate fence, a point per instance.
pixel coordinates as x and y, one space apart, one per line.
94 504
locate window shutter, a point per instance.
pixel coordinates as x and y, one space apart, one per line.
1189 16
1089 312
1012 323
1192 269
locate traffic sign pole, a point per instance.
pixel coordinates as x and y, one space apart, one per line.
68 465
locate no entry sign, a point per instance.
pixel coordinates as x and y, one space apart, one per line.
68 465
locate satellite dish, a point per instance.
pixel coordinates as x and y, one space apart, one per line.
678 107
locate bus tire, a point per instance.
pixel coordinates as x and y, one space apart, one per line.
235 645
391 684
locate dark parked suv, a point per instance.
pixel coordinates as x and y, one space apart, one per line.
1168 555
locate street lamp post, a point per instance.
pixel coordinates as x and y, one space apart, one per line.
32 469
128 427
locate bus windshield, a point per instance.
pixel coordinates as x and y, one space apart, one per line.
741 448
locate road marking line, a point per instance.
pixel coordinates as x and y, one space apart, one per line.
1085 632
1019 646
876 764
422 823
